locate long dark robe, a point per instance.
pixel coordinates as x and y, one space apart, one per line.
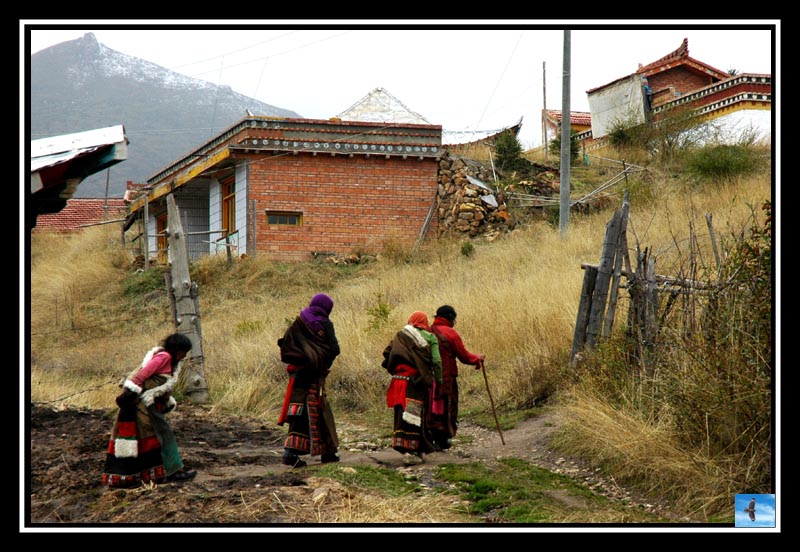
142 446
411 366
309 356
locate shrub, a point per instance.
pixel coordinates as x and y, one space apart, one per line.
509 153
379 312
574 149
723 161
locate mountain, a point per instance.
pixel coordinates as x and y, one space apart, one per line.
82 85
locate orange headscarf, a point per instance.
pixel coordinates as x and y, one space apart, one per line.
419 319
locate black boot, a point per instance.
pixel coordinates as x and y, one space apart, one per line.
330 457
291 459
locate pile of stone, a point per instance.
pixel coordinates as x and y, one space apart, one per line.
469 204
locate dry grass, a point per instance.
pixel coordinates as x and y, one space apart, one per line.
517 300
647 451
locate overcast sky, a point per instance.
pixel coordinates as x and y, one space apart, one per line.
483 77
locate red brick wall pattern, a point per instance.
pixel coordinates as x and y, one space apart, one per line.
349 204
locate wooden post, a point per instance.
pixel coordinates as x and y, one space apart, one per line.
636 313
228 248
713 241
651 313
619 255
579 337
146 245
187 316
604 270
172 307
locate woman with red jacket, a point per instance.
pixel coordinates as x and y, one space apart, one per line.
443 421
143 447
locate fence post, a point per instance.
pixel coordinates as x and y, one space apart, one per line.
579 338
187 317
622 244
604 270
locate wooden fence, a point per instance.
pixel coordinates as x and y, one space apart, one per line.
646 289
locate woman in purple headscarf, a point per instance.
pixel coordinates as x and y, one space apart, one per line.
309 347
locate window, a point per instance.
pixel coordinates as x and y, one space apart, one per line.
284 218
161 241
228 205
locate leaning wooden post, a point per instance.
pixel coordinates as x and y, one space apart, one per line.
585 305
621 243
187 316
604 270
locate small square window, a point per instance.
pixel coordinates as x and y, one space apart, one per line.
284 218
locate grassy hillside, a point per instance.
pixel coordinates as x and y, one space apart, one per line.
92 318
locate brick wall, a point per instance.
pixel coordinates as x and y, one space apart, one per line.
681 79
79 212
348 204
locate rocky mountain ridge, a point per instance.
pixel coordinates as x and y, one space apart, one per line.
82 85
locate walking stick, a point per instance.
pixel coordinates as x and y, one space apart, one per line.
491 400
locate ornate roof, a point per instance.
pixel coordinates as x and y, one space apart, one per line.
379 106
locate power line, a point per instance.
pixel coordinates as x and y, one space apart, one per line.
499 80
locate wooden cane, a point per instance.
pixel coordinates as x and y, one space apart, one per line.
491 400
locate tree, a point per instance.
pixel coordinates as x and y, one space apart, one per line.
509 152
574 148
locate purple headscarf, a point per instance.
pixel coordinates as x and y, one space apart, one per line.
317 311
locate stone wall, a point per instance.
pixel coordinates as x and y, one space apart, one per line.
465 207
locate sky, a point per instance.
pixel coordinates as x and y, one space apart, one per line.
463 75
765 514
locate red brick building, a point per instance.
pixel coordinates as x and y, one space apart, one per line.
291 189
678 80
82 212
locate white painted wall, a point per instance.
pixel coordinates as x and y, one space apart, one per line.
734 125
622 101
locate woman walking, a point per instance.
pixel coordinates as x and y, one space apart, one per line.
142 447
444 419
412 359
309 348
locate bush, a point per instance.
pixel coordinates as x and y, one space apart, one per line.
509 153
723 162
574 149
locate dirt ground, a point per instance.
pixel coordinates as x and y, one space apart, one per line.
241 480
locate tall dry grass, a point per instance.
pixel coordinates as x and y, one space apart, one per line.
517 301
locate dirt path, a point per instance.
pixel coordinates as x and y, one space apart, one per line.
240 477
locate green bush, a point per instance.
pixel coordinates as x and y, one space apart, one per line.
574 148
722 162
379 312
141 283
509 152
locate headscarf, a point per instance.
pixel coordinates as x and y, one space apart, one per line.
419 319
317 311
447 312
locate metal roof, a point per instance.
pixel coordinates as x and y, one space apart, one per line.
60 163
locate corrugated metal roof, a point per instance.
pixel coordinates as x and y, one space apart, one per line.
46 152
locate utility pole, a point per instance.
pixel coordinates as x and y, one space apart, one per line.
566 140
